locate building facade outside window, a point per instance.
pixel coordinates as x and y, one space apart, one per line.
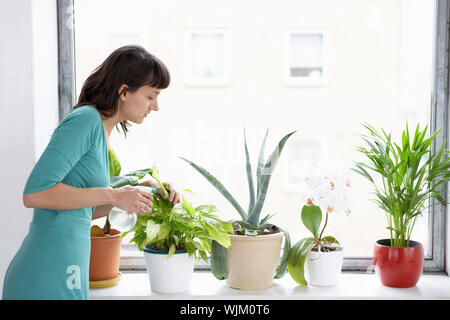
320 69
207 57
306 57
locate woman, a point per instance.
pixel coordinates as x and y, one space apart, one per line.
68 187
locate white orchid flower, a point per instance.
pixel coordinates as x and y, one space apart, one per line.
327 189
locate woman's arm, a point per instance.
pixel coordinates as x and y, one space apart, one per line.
104 210
64 197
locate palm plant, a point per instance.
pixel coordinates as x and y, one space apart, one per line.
410 174
250 222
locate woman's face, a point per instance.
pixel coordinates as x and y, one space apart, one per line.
135 106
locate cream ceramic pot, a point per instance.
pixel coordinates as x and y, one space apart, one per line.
252 260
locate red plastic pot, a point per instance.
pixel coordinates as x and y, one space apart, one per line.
398 267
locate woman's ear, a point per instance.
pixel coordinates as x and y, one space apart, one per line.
122 91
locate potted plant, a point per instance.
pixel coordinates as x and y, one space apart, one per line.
106 242
174 238
322 255
252 261
410 175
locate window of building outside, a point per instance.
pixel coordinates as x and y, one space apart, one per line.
207 55
305 63
378 70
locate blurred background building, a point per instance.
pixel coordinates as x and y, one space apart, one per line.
320 67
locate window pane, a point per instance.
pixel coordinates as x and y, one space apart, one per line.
306 51
117 40
208 55
378 71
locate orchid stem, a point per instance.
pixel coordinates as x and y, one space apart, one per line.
326 221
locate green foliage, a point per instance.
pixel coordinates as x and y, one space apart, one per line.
115 179
180 226
114 164
218 261
171 227
311 217
284 258
297 258
250 222
131 178
410 173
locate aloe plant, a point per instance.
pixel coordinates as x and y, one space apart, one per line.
250 222
410 174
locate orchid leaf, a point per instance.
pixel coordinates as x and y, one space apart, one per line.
297 258
312 217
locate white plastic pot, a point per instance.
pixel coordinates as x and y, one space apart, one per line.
324 268
171 275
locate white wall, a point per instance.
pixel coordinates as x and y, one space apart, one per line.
45 72
28 104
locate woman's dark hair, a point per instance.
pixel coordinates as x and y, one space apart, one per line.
131 65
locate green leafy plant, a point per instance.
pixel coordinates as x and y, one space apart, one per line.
311 216
250 222
116 180
171 227
180 226
410 175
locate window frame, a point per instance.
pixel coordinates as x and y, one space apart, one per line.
304 81
435 263
66 56
209 82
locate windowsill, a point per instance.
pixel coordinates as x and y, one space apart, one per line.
136 286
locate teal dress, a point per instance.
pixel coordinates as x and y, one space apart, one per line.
53 260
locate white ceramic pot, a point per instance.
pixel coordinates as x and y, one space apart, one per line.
171 275
324 268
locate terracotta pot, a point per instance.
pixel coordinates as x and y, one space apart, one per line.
398 267
252 260
105 257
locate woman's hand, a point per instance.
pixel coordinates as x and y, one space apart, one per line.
174 195
133 199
